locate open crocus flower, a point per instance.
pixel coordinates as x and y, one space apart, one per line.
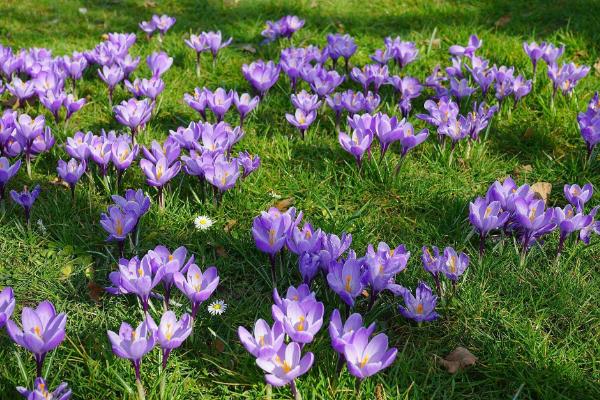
409 140
26 199
220 102
43 330
264 342
365 358
454 264
262 76
136 277
333 247
118 224
305 240
198 100
159 63
346 278
301 294
244 104
270 230
135 201
357 144
159 174
134 114
248 162
433 263
7 305
568 222
468 50
171 333
306 101
222 173
486 217
7 172
578 196
71 172
40 391
111 75
172 263
285 366
133 344
382 267
420 307
162 23
301 320
169 149
301 120
196 285
214 41
341 333
533 219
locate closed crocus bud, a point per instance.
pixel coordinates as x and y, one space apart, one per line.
262 76
7 172
454 264
7 305
26 199
70 172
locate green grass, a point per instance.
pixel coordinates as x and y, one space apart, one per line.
535 328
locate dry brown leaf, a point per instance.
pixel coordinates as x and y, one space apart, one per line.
95 291
580 54
284 204
528 134
229 225
503 21
59 182
542 190
597 67
379 392
459 359
248 47
218 345
149 4
522 170
365 294
221 252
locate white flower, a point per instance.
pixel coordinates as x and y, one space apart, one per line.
217 307
202 222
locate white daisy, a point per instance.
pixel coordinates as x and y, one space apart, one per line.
202 222
217 307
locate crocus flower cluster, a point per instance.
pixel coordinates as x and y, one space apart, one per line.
262 76
589 124
204 42
161 164
160 23
282 28
220 101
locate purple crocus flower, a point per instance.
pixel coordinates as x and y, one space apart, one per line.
382 266
135 201
301 120
159 174
219 102
248 162
71 172
533 219
366 357
569 222
162 23
172 333
305 240
301 294
74 66
410 140
308 264
199 44
148 27
111 75
454 264
134 114
325 82
388 130
534 52
292 61
137 277
372 101
40 391
43 330
333 247
198 101
433 263
22 90
521 88
159 63
381 57
123 154
284 27
264 341
72 105
222 173
118 224
133 344
285 366
79 146
346 278
551 53
403 53
172 263
357 144
169 149
341 333
460 89
440 112
340 46
486 217
335 102
420 307
26 199
578 196
7 172
214 40
7 305
150 88
306 101
198 286
262 76
244 104
468 50
353 102
53 101
301 320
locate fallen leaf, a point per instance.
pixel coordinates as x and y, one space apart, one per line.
284 204
221 252
379 392
528 133
59 182
542 190
597 67
219 345
503 21
522 170
248 47
459 359
580 54
149 4
95 291
365 294
229 225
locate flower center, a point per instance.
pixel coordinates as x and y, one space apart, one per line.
419 309
453 264
348 281
364 361
488 211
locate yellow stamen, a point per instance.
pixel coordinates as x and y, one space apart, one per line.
364 361
300 327
170 257
140 272
119 227
488 211
348 280
271 237
37 331
261 341
453 264
419 309
286 367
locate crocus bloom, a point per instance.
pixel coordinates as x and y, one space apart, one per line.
357 144
198 286
53 101
118 223
7 305
137 277
285 366
71 172
403 53
521 88
301 120
40 391
26 199
408 139
160 173
306 101
134 344
552 53
420 307
486 217
219 102
264 341
339 45
382 267
111 75
244 104
533 219
578 196
469 50
301 294
22 90
305 240
222 173
534 52
172 263
134 114
284 27
346 278
171 333
149 27
270 230
365 358
159 63
341 333
72 105
333 247
433 263
135 201
262 76
198 101
248 162
163 23
569 222
460 89
301 320
150 88
454 264
308 264
214 40
7 172
43 330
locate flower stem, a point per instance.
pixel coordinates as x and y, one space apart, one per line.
294 389
140 390
272 261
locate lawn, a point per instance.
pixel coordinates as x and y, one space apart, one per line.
534 326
